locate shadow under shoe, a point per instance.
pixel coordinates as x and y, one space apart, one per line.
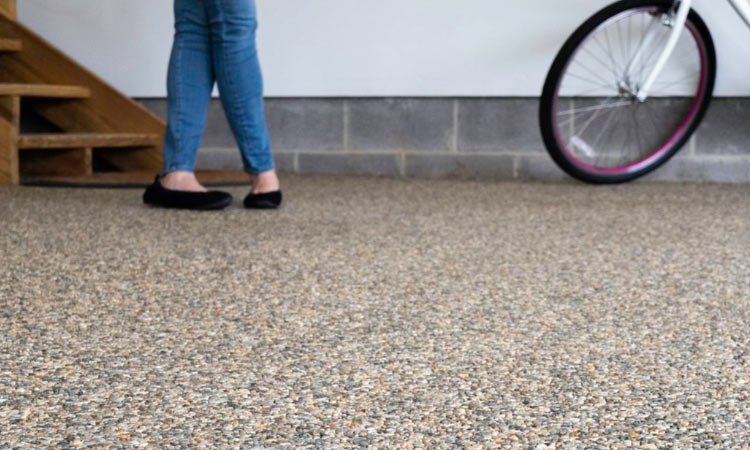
159 196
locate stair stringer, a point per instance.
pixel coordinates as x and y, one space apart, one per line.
106 110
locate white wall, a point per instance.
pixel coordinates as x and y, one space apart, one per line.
363 47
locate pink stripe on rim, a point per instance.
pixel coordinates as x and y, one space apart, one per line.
679 134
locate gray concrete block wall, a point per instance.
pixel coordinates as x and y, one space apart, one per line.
482 138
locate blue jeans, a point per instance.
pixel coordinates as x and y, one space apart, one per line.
215 43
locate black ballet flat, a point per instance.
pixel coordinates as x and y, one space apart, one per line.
158 195
268 200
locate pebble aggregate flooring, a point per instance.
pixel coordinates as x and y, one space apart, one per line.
378 313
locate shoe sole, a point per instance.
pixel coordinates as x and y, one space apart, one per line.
208 207
263 207
216 206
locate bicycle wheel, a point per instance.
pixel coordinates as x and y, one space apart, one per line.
593 125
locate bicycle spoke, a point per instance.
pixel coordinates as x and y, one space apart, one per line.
689 78
595 108
589 91
638 137
597 76
630 34
606 86
611 53
590 121
653 121
610 115
614 72
579 113
608 53
639 48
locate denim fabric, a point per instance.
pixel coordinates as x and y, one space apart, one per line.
215 43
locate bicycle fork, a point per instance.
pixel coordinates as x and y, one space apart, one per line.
677 18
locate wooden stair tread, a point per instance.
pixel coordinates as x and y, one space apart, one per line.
87 140
10 45
43 90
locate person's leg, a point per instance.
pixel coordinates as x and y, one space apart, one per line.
237 69
189 84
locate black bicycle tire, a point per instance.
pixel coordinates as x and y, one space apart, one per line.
568 50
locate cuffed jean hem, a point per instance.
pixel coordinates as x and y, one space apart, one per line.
257 170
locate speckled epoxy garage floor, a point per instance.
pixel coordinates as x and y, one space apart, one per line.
379 313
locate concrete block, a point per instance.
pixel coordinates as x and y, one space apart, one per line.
485 166
157 106
228 158
401 124
294 124
306 124
726 128
703 169
384 164
539 167
217 132
422 130
499 125
218 158
284 161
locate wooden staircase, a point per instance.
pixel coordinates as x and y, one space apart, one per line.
58 121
